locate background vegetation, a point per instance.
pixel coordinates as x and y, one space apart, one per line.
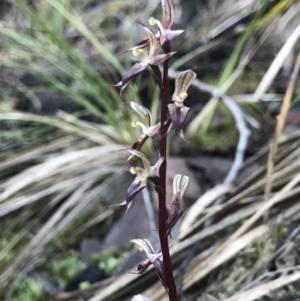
62 127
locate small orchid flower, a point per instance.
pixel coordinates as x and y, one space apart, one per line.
178 116
142 175
165 32
148 130
178 112
149 59
175 211
153 257
182 83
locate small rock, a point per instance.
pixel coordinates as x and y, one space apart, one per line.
134 224
89 246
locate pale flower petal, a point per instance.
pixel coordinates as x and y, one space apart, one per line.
168 13
145 113
180 183
142 156
144 245
182 83
154 171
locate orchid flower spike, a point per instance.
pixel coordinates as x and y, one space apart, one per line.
147 59
178 112
153 257
175 210
142 175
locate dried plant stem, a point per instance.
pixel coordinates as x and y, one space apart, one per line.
163 214
278 131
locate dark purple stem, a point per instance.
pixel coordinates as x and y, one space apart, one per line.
163 214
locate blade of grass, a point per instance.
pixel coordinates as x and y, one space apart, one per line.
103 50
83 70
204 118
192 54
278 131
92 135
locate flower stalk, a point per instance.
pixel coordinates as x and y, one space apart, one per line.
163 214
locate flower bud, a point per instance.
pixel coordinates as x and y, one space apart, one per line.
175 210
182 83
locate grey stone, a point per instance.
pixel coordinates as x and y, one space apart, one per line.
134 224
89 246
